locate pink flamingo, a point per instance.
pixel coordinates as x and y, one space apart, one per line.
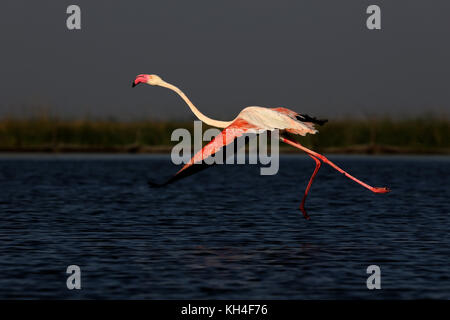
252 119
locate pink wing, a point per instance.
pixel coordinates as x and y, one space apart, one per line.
238 128
287 112
303 118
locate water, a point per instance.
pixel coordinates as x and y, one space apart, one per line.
226 233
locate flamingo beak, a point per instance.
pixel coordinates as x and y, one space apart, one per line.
140 78
136 82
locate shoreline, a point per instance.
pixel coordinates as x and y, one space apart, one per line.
161 149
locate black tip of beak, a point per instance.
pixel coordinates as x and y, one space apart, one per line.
133 85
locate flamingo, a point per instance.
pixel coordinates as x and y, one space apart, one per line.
252 119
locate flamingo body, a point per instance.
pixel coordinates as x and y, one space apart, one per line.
256 120
276 118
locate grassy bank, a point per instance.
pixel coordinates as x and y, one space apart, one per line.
418 135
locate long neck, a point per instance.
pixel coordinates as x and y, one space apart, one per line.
198 114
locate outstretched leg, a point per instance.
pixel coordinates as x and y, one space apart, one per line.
302 205
324 159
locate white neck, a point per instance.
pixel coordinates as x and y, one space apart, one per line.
198 114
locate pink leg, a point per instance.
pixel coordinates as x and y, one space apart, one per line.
324 159
302 205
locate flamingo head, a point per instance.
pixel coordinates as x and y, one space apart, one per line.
151 79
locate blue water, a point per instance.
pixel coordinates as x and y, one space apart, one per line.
226 233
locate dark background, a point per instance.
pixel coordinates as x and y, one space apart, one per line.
312 56
226 233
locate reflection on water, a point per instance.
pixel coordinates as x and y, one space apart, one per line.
225 233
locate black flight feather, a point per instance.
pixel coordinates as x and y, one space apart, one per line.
306 118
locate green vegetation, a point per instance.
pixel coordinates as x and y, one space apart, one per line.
383 135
